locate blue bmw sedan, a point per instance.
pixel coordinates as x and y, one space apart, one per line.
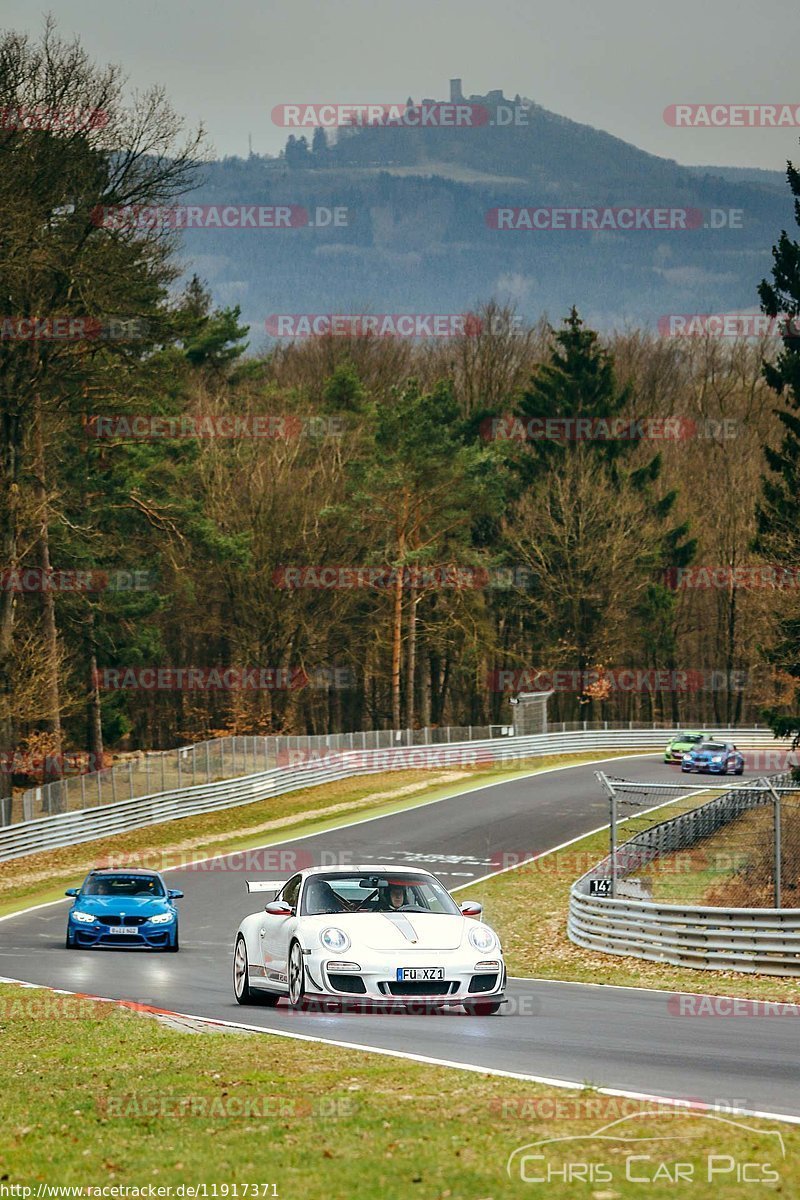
714 758
131 908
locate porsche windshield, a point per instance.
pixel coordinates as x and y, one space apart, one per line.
392 892
123 885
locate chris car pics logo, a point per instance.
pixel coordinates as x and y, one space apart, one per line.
650 1148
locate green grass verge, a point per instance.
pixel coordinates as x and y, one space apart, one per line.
528 907
92 1096
39 878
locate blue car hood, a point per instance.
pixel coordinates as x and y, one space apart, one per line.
130 906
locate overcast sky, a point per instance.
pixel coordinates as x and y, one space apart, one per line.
614 64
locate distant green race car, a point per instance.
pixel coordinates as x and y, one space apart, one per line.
682 744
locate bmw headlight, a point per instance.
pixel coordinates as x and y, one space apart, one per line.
717 758
162 918
84 917
334 939
687 758
481 938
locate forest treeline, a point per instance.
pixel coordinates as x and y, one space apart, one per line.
350 532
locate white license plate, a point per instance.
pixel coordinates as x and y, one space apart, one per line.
123 929
405 974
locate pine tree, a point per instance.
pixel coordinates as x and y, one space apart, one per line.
778 531
579 383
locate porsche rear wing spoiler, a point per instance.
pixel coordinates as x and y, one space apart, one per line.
265 885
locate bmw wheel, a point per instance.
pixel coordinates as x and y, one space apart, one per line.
297 976
174 946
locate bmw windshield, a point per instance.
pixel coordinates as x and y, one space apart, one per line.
123 886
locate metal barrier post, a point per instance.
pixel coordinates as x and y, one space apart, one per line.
612 827
776 805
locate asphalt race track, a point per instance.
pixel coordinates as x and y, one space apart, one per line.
616 1038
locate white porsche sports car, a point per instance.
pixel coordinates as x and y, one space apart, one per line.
380 935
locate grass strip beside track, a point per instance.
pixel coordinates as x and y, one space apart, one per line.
140 1104
39 878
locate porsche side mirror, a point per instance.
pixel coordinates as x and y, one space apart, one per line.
175 894
471 908
71 891
278 908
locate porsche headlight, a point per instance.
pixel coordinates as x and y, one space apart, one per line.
334 939
84 917
481 938
161 918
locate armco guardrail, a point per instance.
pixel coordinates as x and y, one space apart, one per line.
83 825
753 940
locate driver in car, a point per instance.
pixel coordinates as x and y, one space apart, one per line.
394 896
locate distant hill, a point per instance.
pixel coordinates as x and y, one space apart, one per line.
418 238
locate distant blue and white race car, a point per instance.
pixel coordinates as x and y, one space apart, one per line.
715 758
380 935
131 908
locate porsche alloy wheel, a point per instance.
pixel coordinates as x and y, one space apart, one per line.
297 976
241 988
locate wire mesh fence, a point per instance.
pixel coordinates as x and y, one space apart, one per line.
715 846
151 772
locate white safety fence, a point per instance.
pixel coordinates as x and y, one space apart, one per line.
82 825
